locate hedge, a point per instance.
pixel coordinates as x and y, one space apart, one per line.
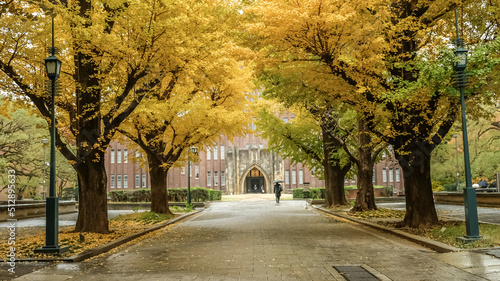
198 194
314 193
320 193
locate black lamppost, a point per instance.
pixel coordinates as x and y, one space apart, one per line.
456 153
470 203
44 141
195 151
53 67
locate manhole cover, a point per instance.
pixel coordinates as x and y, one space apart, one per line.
355 273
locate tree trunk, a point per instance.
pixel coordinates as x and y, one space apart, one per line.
159 194
334 172
93 203
365 198
420 208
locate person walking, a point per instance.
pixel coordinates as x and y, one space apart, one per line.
277 191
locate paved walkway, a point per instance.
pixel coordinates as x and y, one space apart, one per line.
261 240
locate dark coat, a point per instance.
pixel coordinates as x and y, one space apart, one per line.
278 189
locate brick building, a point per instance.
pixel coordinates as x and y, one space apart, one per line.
238 167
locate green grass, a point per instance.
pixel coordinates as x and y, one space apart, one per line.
144 217
448 233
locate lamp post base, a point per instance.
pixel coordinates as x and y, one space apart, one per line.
51 250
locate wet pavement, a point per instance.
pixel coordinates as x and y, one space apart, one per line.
257 239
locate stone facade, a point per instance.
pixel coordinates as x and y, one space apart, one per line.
242 165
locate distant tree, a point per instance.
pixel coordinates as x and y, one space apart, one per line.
21 134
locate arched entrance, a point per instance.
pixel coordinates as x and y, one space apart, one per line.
255 182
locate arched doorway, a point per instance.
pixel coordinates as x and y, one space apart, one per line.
255 182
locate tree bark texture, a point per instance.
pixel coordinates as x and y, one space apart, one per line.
159 194
92 203
365 198
420 208
334 172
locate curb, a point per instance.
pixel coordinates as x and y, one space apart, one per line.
111 245
422 241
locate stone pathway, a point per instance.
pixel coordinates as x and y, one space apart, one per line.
261 240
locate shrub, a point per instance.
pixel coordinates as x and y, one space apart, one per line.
217 195
306 194
387 191
437 186
214 195
37 197
210 194
118 195
450 187
199 194
140 195
177 194
298 193
317 193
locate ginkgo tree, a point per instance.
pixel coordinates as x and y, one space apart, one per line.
335 48
305 141
197 104
287 90
383 49
114 53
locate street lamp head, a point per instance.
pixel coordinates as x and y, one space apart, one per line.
194 150
53 67
461 54
45 141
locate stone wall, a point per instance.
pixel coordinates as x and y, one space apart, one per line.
239 162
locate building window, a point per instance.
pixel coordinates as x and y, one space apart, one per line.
391 176
285 120
222 178
261 146
125 156
183 170
196 171
112 181
287 177
119 156
384 175
397 175
346 180
222 156
137 181
209 179
215 153
112 156
216 178
373 176
294 177
301 176
144 180
119 181
137 155
125 181
354 180
209 154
